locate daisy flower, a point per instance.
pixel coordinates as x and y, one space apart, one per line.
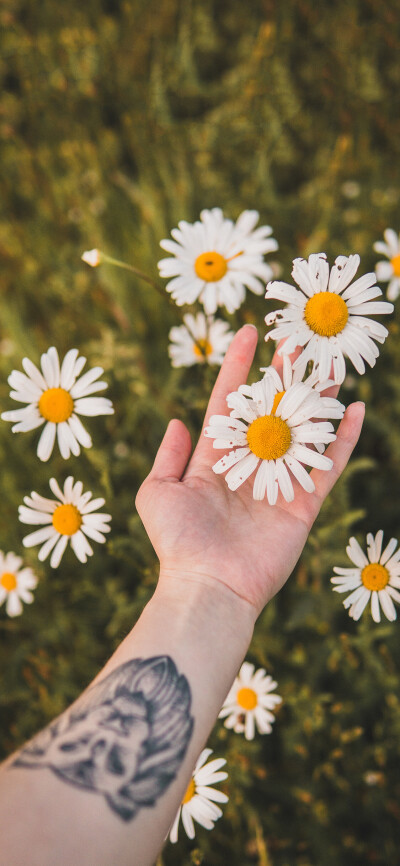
249 703
374 577
15 583
328 316
199 802
68 518
55 397
214 260
201 340
271 432
389 272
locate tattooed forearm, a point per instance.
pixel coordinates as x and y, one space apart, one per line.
124 739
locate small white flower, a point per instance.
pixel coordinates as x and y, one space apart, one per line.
69 518
57 396
375 578
249 703
201 340
328 316
92 258
214 260
274 430
389 272
15 583
199 802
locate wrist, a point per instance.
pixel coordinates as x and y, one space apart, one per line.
197 599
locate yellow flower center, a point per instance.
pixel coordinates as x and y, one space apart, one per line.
56 405
190 792
247 698
277 400
395 263
67 519
202 349
8 581
210 267
375 576
326 314
269 437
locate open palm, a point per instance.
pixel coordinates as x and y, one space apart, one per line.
202 531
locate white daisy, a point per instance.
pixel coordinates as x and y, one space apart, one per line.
199 802
273 432
69 518
375 577
328 316
201 340
15 583
389 272
214 260
55 398
249 703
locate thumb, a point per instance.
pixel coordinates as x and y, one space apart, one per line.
173 454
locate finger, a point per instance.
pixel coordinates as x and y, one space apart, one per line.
234 372
173 454
340 451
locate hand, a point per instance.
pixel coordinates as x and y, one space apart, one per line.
202 531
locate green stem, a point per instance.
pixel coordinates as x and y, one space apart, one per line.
118 264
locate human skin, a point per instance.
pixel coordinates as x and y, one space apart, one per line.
222 557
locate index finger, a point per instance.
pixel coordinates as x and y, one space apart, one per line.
234 372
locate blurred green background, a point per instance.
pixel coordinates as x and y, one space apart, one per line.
118 119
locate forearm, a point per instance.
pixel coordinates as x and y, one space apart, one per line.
106 786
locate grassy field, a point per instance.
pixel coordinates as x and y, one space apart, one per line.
117 120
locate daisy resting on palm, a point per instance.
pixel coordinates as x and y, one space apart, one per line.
121 779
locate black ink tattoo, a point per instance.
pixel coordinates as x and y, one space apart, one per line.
124 739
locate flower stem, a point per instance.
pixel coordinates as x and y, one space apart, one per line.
109 260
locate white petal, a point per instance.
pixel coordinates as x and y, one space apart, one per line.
48 546
230 459
81 546
387 605
13 604
92 406
28 515
67 377
284 481
388 551
79 431
46 441
375 609
56 490
241 472
58 551
39 536
355 553
260 481
272 483
33 373
88 378
300 473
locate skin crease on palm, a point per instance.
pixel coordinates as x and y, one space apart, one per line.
205 533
